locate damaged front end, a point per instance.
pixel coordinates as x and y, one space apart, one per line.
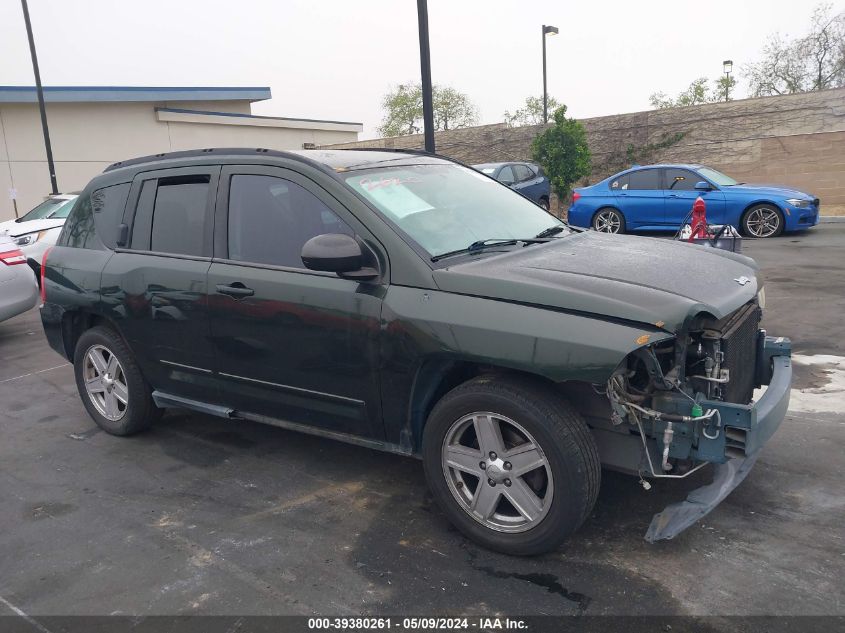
689 401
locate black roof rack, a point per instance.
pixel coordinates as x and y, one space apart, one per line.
227 151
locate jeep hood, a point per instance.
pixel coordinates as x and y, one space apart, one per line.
651 281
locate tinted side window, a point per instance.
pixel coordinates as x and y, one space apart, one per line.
170 215
271 218
680 180
506 175
143 222
108 205
522 173
645 179
78 231
620 183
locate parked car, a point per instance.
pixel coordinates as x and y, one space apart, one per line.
526 178
660 197
39 228
407 303
18 290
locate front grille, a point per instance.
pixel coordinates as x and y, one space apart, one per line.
739 346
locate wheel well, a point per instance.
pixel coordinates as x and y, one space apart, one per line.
437 378
759 203
605 207
76 323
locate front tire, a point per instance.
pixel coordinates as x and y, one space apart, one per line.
544 202
511 464
110 383
609 220
763 220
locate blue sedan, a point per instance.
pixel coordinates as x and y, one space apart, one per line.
526 178
660 197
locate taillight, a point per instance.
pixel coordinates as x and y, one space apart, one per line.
10 258
575 197
43 270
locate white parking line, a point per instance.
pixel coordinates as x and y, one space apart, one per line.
40 371
26 617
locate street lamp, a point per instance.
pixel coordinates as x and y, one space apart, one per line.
727 66
547 30
40 92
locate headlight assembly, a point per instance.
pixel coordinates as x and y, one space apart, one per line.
798 204
29 238
761 298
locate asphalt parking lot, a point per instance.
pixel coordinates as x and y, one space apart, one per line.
205 516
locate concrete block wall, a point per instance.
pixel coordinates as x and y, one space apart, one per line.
794 140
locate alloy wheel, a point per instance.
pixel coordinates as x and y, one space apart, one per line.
105 382
497 472
762 222
607 222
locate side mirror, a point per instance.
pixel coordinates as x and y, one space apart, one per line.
336 253
703 185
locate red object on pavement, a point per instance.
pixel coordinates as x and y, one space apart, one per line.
698 223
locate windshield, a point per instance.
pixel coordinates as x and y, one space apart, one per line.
716 177
445 208
51 208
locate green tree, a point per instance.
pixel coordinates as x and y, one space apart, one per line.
452 109
563 152
698 92
813 62
531 113
403 110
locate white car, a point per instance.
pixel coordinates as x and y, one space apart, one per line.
39 229
18 287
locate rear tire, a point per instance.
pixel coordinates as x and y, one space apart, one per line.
609 220
544 202
762 221
110 383
547 464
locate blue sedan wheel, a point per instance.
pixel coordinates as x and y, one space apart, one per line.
609 221
762 221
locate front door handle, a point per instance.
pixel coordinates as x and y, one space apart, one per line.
236 290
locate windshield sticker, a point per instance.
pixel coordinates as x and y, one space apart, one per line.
393 196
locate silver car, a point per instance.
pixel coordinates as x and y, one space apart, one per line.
18 287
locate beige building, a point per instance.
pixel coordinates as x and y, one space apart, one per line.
92 127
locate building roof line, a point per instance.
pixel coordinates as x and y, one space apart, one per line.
254 116
89 94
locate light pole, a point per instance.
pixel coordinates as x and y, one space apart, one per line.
50 166
727 66
547 30
425 71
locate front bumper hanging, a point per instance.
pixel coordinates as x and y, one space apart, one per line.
759 421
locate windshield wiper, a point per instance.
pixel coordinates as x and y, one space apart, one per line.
552 230
477 247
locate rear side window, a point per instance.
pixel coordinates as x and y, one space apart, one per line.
171 215
78 231
644 180
620 183
522 172
506 175
93 221
271 218
108 205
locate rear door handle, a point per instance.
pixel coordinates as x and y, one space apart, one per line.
236 290
674 195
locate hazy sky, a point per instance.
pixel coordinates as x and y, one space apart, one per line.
335 59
